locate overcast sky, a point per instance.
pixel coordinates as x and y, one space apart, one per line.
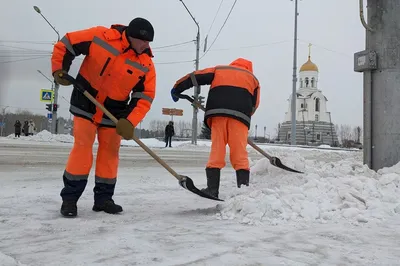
259 30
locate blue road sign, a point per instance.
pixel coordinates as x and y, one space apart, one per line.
46 95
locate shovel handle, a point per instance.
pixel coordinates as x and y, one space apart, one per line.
115 120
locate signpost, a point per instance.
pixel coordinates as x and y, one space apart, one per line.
172 112
46 96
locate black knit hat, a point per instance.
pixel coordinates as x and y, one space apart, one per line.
141 28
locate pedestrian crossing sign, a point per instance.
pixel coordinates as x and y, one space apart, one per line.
46 95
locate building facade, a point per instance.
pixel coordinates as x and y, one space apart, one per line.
313 121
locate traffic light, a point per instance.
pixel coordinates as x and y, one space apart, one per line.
49 107
55 106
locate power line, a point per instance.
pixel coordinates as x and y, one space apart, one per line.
27 108
216 14
251 46
31 42
327 49
227 17
22 48
25 59
175 62
171 45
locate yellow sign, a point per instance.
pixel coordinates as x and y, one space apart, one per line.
46 95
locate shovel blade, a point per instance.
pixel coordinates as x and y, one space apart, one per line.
187 183
277 162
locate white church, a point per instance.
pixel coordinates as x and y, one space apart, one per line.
313 121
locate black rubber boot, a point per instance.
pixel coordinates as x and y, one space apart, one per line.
72 189
242 177
213 179
70 195
103 199
107 206
69 209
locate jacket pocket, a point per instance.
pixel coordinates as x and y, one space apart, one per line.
105 66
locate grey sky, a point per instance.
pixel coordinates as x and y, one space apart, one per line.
333 27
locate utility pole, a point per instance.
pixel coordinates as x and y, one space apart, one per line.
197 89
380 63
294 94
52 100
56 85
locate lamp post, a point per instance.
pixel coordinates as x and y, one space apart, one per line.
56 85
330 122
294 95
52 88
40 72
197 89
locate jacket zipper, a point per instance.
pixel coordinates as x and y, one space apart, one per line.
105 66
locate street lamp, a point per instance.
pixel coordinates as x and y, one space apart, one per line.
46 78
294 94
56 85
52 88
37 9
197 89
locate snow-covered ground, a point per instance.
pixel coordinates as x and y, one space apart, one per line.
338 213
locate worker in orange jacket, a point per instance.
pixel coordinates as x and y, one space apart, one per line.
233 98
119 72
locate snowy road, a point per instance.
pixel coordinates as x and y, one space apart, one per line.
162 224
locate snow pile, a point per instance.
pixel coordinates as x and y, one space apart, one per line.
202 145
46 136
327 192
9 261
151 143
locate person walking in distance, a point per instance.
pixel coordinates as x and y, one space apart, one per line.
169 133
118 71
17 127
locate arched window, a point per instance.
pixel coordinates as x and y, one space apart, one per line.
317 103
317 118
307 82
313 82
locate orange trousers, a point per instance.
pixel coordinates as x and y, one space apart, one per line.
81 157
225 130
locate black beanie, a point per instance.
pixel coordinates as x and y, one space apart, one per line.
141 28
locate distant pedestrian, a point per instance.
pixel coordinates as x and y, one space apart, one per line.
25 128
169 133
17 127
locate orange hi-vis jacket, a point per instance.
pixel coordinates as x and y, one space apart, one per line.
234 90
120 79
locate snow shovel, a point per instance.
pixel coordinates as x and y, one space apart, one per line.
275 161
184 181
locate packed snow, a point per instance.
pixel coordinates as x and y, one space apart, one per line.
327 192
338 212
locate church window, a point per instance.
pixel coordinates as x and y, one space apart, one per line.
301 83
307 81
317 103
313 82
317 118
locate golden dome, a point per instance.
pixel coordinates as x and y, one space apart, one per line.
309 66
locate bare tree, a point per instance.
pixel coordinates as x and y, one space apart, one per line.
179 128
345 132
357 134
